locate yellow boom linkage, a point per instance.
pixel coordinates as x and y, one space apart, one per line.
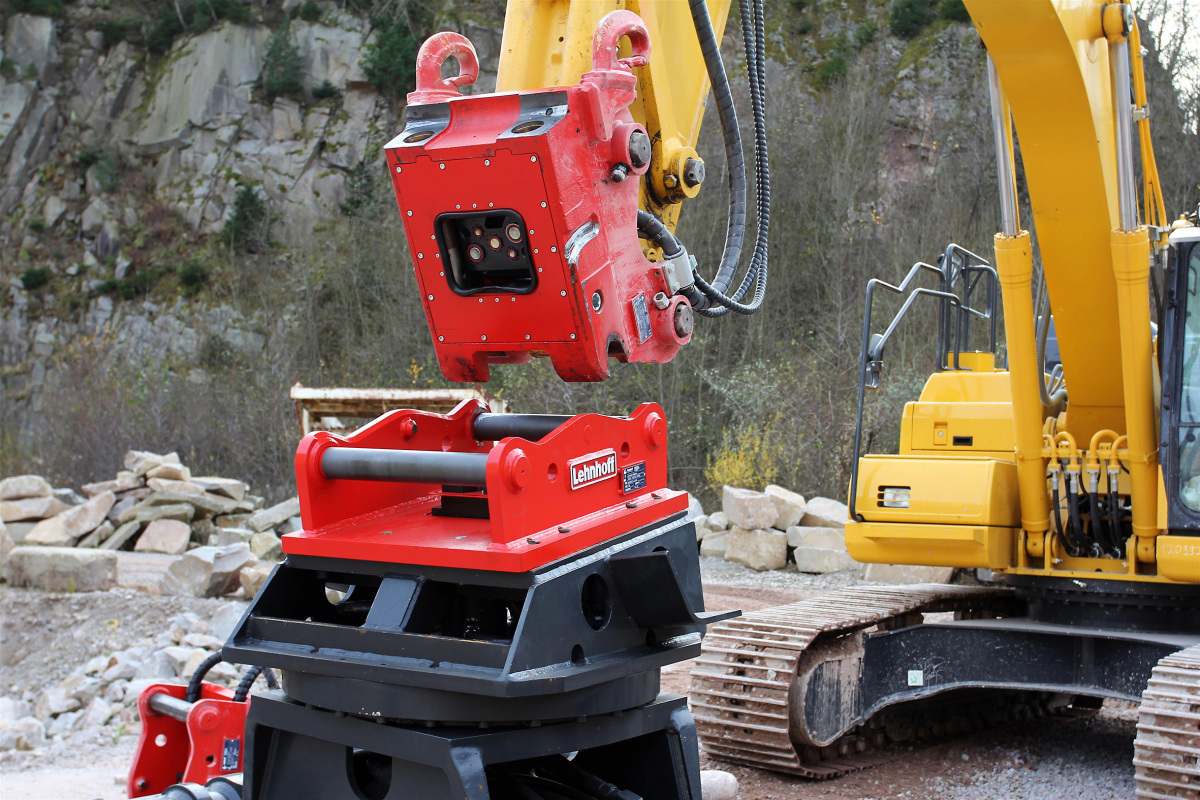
672 88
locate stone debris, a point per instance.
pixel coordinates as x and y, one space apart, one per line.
821 512
153 505
207 571
791 506
746 508
275 515
35 508
165 536
61 569
769 529
904 573
253 577
20 487
102 695
758 549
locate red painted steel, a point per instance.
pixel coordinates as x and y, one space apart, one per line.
534 515
463 154
209 744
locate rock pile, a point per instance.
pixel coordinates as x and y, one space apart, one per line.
101 695
154 505
765 530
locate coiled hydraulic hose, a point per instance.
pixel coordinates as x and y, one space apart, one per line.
712 299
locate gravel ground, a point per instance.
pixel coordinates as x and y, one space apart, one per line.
45 636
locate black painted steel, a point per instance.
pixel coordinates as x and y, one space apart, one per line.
532 427
576 637
418 466
1109 604
293 751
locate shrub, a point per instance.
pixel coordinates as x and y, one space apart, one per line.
955 10
325 90
192 278
804 26
191 15
137 284
88 156
114 31
30 73
866 32
361 187
834 67
310 11
909 17
281 65
43 8
35 277
246 228
8 68
390 62
108 168
37 225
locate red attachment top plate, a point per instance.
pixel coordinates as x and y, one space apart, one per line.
592 479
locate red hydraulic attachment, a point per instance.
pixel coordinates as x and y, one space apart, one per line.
415 487
521 215
186 742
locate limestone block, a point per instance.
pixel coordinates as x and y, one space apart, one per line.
31 508
789 505
168 536
904 573
821 512
275 515
61 569
822 559
746 508
715 544
759 549
21 486
826 538
207 571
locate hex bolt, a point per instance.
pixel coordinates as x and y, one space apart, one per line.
693 172
670 181
639 149
684 320
619 173
661 301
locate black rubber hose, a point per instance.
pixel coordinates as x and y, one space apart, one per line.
1058 525
1075 522
1114 521
652 230
1099 532
193 688
754 36
731 134
247 681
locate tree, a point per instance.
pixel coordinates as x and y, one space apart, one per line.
281 65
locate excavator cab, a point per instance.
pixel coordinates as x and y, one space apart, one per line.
1179 355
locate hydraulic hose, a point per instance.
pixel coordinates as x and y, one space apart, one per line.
243 687
711 299
193 687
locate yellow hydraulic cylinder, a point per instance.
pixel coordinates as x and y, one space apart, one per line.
1131 266
1014 264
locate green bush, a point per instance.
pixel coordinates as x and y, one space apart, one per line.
310 11
136 285
866 32
281 65
30 72
191 16
114 31
325 90
909 17
192 278
37 225
955 10
836 63
804 26
35 277
246 228
361 189
8 68
43 8
390 63
108 168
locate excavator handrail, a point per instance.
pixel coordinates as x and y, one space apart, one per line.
870 357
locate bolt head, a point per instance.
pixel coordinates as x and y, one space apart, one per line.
693 172
685 320
639 149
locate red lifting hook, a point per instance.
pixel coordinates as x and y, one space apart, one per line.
612 28
431 86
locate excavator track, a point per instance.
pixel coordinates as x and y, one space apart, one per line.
1167 748
741 683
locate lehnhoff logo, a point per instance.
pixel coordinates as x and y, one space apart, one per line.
592 468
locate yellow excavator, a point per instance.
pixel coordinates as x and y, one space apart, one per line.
1073 488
